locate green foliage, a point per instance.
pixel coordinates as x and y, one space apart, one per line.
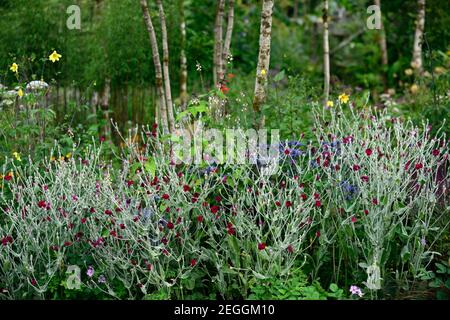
293 287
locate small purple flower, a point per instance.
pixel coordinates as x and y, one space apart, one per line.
356 290
423 241
90 272
101 279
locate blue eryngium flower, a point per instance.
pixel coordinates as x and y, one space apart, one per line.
349 190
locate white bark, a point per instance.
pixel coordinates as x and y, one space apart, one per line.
162 112
167 85
218 42
262 70
183 60
326 54
417 63
228 36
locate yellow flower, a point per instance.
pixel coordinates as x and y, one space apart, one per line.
448 52
55 56
61 158
330 104
17 156
20 93
343 98
52 159
263 72
409 72
11 174
68 155
14 67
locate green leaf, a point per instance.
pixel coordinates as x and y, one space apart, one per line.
405 253
280 76
334 287
150 167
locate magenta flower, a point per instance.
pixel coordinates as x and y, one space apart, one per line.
90 272
355 290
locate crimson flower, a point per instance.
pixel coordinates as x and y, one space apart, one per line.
354 219
418 166
288 204
356 167
170 225
108 212
368 152
186 188
304 196
374 201
42 204
165 196
200 218
318 203
290 249
366 212
365 178
261 246
318 234
193 262
214 209
435 152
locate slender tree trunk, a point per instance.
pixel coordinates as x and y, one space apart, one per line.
158 70
416 62
383 49
295 13
326 54
262 70
218 42
165 47
183 60
228 36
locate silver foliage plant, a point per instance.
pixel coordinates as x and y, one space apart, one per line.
361 198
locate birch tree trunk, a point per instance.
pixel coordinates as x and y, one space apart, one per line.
383 48
167 86
416 62
218 42
264 55
162 112
183 60
326 54
228 36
